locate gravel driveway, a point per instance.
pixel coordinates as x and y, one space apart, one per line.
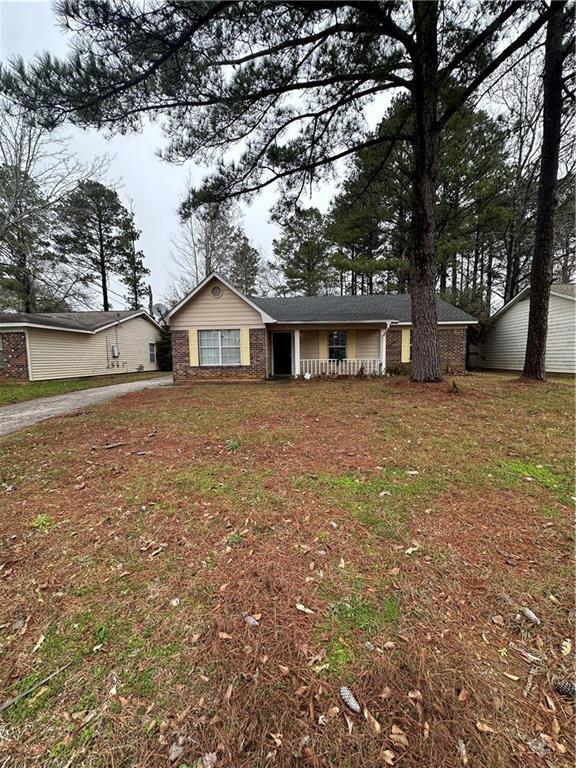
22 415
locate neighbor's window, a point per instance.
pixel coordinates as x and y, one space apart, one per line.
337 345
1 351
219 347
152 352
115 351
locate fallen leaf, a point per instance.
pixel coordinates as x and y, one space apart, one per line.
349 722
416 695
566 647
484 728
463 695
388 757
397 736
303 608
224 636
373 724
40 692
39 643
498 620
462 752
228 693
175 752
426 729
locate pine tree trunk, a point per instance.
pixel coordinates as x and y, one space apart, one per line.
425 352
102 268
542 260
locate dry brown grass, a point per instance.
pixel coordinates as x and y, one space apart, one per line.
138 565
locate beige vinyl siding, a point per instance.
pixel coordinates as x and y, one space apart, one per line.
309 345
367 345
205 311
64 355
505 346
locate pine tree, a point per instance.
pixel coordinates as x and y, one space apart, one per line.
130 265
96 234
542 261
244 263
302 252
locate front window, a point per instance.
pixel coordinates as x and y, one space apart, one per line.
2 360
152 352
219 347
337 345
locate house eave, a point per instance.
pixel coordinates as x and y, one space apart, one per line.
90 332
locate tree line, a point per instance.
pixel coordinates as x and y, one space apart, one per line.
63 232
287 84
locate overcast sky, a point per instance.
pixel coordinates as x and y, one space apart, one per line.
154 186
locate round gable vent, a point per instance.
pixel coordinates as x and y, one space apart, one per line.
216 291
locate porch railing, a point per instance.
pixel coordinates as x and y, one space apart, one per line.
347 367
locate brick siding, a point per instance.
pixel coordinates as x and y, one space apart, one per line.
452 343
183 371
15 365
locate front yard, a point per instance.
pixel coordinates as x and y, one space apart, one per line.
245 550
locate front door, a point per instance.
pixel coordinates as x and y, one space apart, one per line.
282 353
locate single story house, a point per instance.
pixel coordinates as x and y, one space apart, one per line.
218 333
503 346
62 345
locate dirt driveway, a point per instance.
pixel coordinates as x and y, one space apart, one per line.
25 414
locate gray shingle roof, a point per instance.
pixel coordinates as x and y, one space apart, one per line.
334 309
73 321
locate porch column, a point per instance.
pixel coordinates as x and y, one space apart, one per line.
383 348
296 353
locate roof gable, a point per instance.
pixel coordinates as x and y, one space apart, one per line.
201 285
564 290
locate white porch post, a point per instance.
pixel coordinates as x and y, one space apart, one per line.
383 349
296 353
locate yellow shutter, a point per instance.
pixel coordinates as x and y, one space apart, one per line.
244 346
323 345
193 341
351 345
405 358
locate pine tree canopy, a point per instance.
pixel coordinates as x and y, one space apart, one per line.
283 82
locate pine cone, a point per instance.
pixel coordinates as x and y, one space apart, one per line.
349 699
565 687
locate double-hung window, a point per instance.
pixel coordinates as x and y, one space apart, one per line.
219 347
337 345
152 353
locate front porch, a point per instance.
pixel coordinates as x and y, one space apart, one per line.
352 351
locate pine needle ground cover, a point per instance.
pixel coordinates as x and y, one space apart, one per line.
247 550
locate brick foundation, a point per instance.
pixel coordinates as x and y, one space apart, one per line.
452 342
15 366
183 371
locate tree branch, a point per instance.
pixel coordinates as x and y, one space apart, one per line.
521 40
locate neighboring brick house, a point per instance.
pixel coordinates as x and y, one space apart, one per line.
218 333
61 345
